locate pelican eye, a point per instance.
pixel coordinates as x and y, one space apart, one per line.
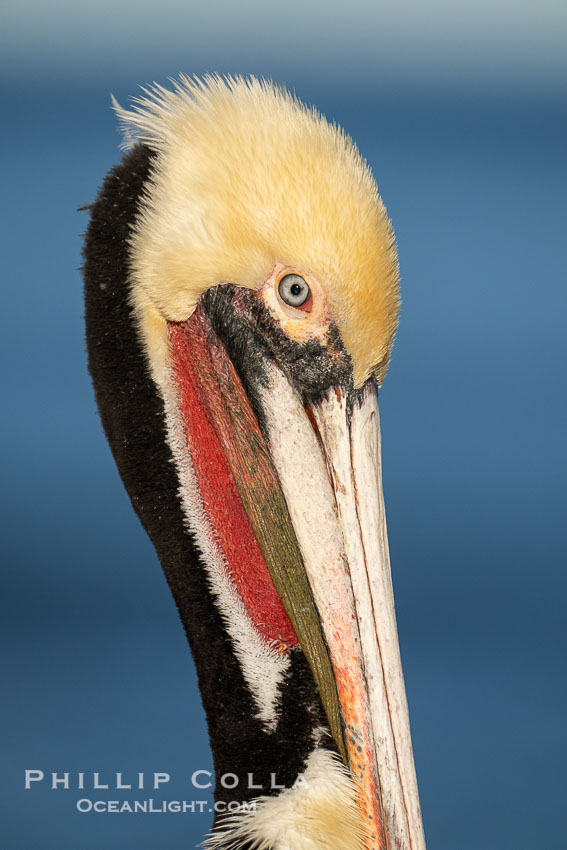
293 290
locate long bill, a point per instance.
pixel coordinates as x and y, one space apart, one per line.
310 483
328 460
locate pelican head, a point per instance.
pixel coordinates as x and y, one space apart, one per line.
242 298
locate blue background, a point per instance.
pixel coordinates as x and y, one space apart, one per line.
460 110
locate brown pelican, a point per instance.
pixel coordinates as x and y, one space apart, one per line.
241 301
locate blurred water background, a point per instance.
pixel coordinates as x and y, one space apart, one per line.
460 111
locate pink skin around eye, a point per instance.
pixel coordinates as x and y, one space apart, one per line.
311 320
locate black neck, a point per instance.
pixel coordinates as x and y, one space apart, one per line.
132 415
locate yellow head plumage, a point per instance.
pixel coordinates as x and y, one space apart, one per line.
245 177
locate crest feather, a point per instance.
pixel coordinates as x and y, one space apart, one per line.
247 176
